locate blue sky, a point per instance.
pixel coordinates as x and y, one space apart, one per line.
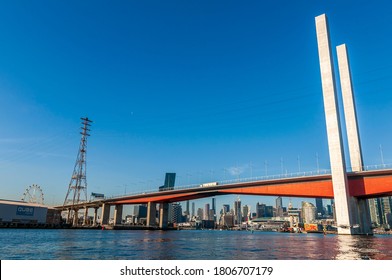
211 90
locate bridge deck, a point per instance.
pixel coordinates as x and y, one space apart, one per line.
367 184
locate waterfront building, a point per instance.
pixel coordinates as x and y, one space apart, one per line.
20 213
309 212
294 215
226 208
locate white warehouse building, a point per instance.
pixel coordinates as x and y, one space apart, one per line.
20 212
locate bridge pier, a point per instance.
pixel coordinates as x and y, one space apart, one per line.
95 216
118 210
75 217
163 215
105 214
363 219
68 220
85 216
151 214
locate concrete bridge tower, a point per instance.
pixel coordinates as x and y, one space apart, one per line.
352 215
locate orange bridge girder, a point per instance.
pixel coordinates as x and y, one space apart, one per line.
367 184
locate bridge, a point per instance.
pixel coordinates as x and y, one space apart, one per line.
362 185
350 190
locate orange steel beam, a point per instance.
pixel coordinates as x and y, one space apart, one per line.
322 189
371 187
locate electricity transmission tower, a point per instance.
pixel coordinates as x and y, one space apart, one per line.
77 189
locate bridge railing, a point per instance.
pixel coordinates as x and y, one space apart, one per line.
377 167
276 176
240 180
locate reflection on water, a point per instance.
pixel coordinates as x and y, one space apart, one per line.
168 245
362 247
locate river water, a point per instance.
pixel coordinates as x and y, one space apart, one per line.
65 244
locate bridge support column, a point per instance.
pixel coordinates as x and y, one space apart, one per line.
360 207
163 215
151 214
363 216
85 216
68 220
75 217
95 217
105 214
118 210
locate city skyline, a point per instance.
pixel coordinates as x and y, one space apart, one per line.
209 92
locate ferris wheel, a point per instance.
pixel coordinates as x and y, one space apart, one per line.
33 194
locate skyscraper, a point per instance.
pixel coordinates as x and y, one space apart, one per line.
245 212
279 207
206 212
213 209
320 207
176 213
200 213
226 208
380 211
237 211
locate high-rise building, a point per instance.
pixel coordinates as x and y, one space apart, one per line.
170 179
227 220
226 208
279 207
200 213
176 213
237 211
279 202
206 212
320 207
187 207
380 211
245 212
213 217
193 209
140 211
264 211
